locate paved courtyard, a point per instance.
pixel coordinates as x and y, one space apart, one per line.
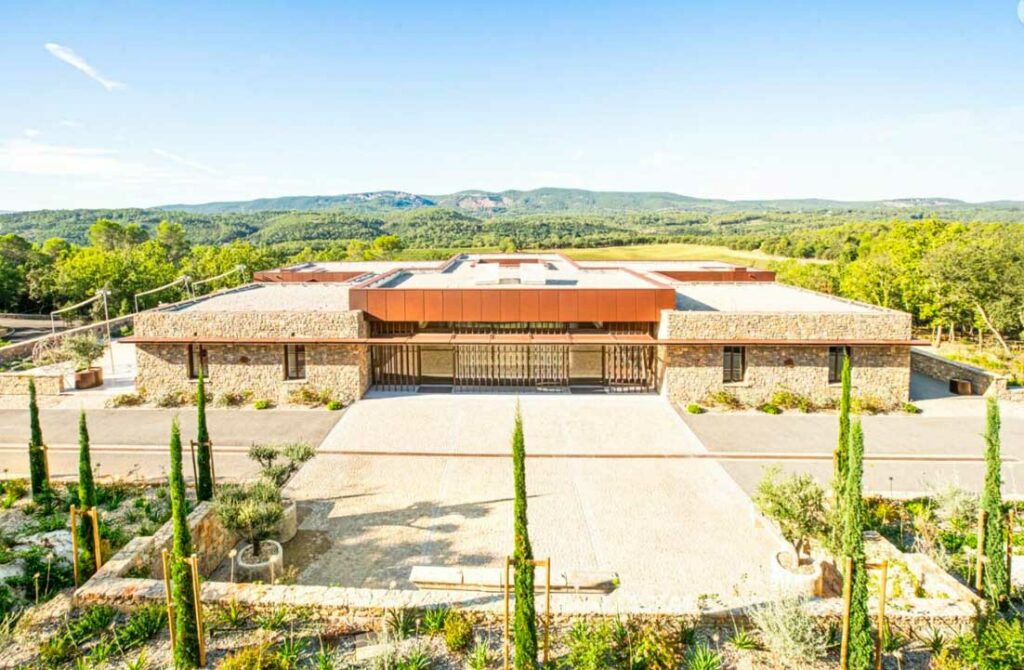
410 480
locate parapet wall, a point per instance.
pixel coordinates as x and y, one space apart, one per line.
785 326
254 325
983 382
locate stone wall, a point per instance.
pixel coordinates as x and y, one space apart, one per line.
259 368
20 350
16 383
876 325
691 372
982 381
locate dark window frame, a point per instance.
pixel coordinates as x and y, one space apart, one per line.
295 371
835 363
204 361
734 359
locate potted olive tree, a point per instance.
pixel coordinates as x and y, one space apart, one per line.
83 350
278 462
253 511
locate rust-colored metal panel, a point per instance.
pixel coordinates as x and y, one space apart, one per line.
548 305
396 305
490 305
414 305
471 305
357 299
625 305
433 305
568 305
529 305
452 305
377 304
646 307
606 306
666 299
587 306
510 311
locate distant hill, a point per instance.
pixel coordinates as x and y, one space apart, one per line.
376 201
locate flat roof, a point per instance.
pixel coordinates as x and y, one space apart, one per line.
272 297
753 297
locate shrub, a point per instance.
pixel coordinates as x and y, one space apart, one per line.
458 632
335 405
694 408
910 408
434 620
724 398
867 404
480 656
309 396
145 623
12 490
998 644
263 403
417 658
769 408
233 398
251 510
173 399
83 350
787 399
126 400
703 657
259 657
590 646
796 502
399 623
788 632
278 462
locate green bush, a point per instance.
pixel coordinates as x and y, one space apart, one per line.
867 404
703 657
335 405
263 403
787 399
278 462
769 408
795 502
591 646
173 399
83 350
998 644
458 632
910 408
251 510
126 400
233 398
259 657
434 620
416 658
724 398
789 633
694 408
309 396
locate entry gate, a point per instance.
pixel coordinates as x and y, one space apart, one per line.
515 366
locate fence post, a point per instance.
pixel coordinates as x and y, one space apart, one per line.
167 594
508 563
74 543
1010 521
847 586
98 550
881 614
547 607
194 562
979 584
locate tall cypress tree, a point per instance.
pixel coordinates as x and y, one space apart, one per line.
839 460
997 583
861 645
204 487
36 456
525 624
86 499
186 644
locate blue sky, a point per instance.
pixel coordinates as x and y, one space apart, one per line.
136 103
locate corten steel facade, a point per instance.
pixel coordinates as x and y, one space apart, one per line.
524 322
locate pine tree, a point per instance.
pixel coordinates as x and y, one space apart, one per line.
525 624
204 487
186 644
838 515
860 644
36 455
996 581
86 499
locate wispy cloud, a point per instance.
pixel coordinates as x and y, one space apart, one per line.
181 160
69 56
29 157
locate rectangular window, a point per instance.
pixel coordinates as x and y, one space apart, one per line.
734 364
294 361
835 363
197 360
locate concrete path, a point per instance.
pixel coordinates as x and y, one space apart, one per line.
134 441
425 479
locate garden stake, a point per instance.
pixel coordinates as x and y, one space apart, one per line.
167 594
508 563
74 543
1010 520
847 585
95 514
231 555
546 564
194 562
881 615
978 584
195 470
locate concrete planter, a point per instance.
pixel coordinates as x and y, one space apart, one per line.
89 378
804 581
266 568
289 523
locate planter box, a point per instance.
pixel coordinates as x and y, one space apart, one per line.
87 379
289 523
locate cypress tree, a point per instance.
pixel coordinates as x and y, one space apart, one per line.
204 487
186 644
36 456
861 645
839 460
525 624
86 499
997 583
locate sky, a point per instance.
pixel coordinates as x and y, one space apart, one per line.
117 104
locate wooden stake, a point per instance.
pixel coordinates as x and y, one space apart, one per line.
881 614
508 563
95 514
979 585
847 586
74 543
195 470
167 593
1011 519
547 607
194 562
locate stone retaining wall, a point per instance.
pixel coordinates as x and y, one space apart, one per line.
983 382
24 349
875 325
16 383
257 325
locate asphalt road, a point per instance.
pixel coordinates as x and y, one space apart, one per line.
134 441
905 455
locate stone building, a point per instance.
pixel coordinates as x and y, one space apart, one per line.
538 322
